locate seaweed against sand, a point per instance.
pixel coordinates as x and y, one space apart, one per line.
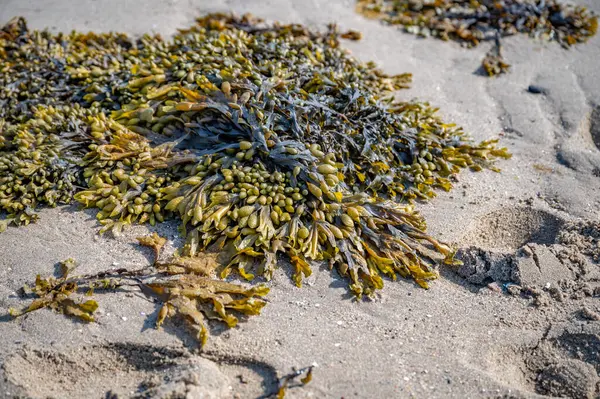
263 139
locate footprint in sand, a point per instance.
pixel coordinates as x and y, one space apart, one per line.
566 362
530 247
508 229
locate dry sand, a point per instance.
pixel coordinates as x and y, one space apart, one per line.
469 336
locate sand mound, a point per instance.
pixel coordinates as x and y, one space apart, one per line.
113 371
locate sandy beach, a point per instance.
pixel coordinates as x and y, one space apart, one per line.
521 318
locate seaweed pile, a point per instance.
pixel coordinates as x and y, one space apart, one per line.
473 21
263 139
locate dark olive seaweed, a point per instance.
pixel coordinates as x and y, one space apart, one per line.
263 139
473 21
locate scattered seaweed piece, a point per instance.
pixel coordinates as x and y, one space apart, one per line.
352 35
285 382
195 298
155 242
474 21
264 140
185 291
54 293
493 63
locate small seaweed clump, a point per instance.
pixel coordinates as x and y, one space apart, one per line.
471 22
262 139
493 63
183 284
